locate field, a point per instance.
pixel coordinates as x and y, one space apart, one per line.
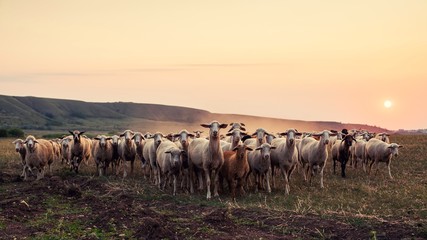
84 206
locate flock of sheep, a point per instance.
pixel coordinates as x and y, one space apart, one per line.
192 159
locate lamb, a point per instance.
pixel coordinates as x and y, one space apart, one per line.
260 135
285 155
102 153
379 151
39 153
198 133
169 162
149 153
20 148
127 150
207 155
184 139
235 168
260 165
341 152
80 150
66 149
314 154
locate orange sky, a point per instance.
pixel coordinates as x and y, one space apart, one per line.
310 60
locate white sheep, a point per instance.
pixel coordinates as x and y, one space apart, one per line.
260 165
207 155
383 137
183 141
39 154
169 162
234 138
314 154
198 133
139 140
379 151
66 149
236 125
149 153
127 150
285 155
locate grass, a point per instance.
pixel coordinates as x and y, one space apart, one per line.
357 199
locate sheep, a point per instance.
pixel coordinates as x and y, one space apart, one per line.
341 152
169 162
66 149
102 153
269 138
235 168
383 137
314 154
236 125
80 150
379 151
235 136
149 153
115 158
207 155
260 135
39 153
127 150
56 146
20 148
184 139
357 151
198 133
285 155
260 165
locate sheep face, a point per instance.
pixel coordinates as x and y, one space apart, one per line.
237 126
175 157
260 135
241 150
265 149
348 140
76 135
269 138
236 134
291 135
19 144
31 141
128 135
157 137
115 140
183 136
325 135
65 143
394 149
198 133
138 138
102 140
214 128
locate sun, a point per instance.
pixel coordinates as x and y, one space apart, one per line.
387 104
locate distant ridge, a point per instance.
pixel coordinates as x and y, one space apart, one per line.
34 113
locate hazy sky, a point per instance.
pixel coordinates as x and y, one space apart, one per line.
309 60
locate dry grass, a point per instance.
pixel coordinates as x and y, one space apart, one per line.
357 198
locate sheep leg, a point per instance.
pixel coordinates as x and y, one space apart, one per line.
174 185
335 163
287 190
308 173
216 182
273 180
208 184
125 169
199 174
370 166
131 167
343 163
321 178
389 171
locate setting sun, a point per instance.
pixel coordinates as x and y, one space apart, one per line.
387 104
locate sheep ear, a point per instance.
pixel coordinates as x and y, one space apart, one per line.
97 138
131 132
249 149
176 135
258 148
400 146
242 124
253 134
25 141
81 133
108 138
36 141
272 147
235 148
242 128
298 133
191 135
229 134
224 125
283 133
70 132
205 125
168 151
122 135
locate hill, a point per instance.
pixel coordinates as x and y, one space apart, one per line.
35 113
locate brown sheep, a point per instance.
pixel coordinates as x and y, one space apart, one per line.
80 150
235 168
39 153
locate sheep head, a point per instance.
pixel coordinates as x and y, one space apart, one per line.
265 149
214 128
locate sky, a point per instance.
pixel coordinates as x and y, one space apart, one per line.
308 60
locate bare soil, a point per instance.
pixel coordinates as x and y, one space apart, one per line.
143 212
